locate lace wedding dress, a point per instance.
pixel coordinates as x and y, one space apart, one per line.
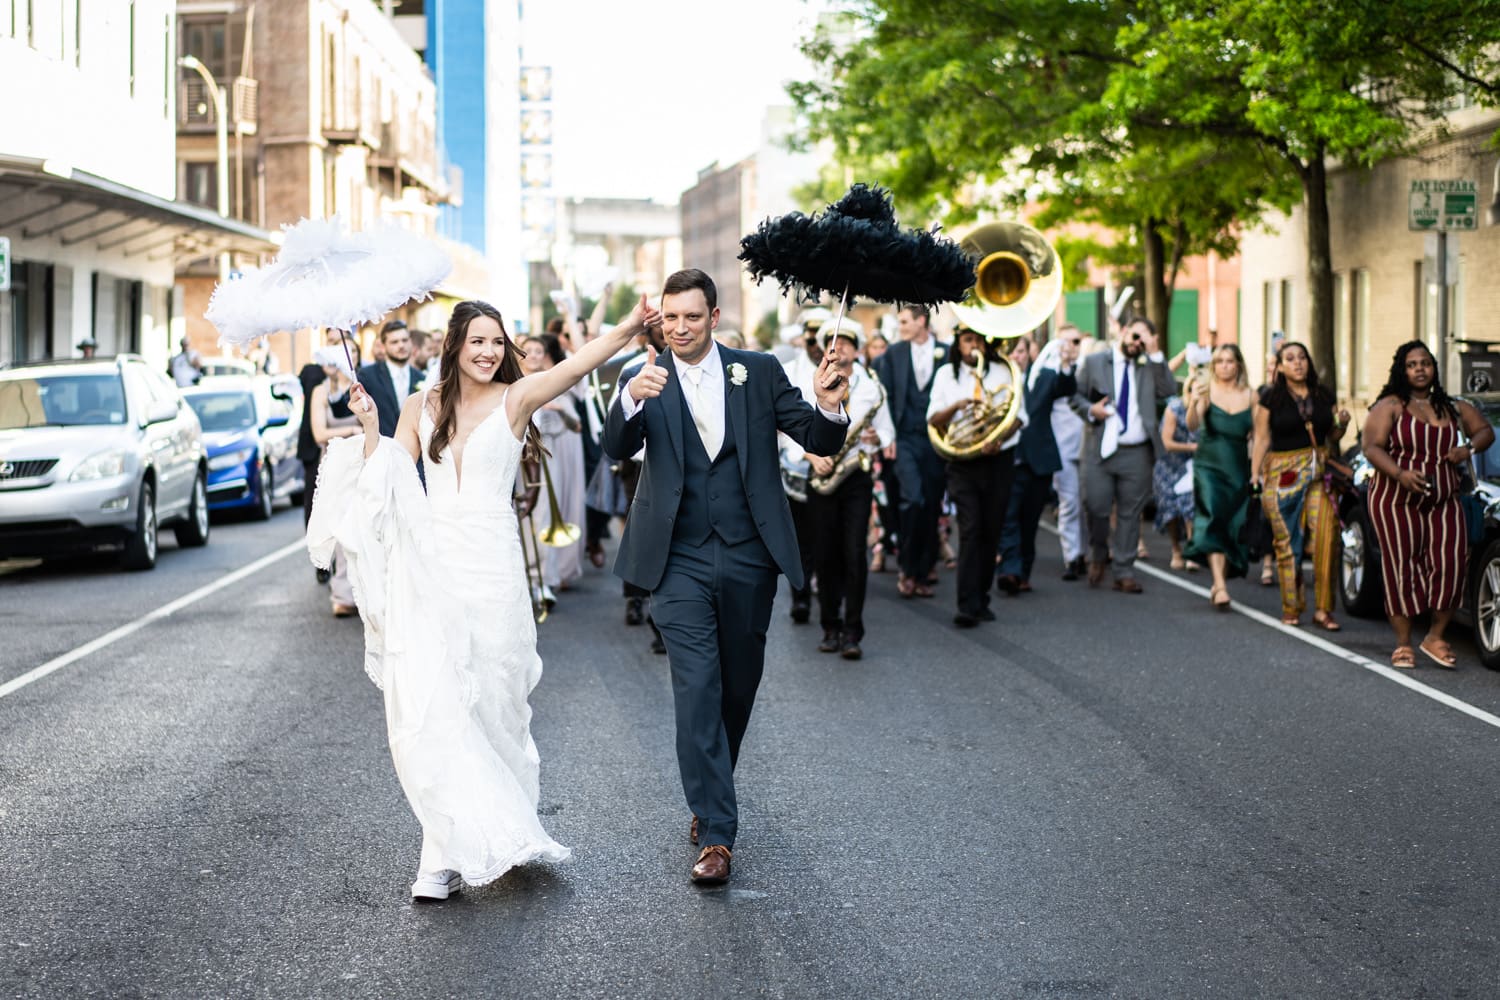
449 636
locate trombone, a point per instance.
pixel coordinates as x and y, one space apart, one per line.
527 493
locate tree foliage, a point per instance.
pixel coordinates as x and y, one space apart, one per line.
1176 123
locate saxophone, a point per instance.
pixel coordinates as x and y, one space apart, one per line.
850 456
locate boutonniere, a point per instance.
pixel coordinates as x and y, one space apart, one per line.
937 354
737 374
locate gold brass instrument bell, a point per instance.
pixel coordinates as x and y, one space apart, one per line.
1017 285
559 533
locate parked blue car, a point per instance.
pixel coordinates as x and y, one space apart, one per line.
250 434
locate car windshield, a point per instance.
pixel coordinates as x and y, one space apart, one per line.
61 400
223 411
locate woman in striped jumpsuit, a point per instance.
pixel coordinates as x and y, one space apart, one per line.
1412 438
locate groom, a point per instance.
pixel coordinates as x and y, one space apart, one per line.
709 529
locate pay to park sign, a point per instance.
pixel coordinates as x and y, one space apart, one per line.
1443 205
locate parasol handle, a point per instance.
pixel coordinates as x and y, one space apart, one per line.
344 343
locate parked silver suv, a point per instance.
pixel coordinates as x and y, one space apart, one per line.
95 454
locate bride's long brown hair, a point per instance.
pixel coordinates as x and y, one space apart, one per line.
446 421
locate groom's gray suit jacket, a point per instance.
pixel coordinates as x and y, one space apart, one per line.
753 413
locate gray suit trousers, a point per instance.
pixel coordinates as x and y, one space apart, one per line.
1121 482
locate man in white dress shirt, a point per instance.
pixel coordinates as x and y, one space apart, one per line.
839 516
979 486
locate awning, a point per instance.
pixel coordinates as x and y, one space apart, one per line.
80 209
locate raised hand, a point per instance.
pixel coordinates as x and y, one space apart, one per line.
642 316
363 408
828 383
649 382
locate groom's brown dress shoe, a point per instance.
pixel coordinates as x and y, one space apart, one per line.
713 865
693 830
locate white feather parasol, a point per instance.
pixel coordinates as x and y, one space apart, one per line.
326 276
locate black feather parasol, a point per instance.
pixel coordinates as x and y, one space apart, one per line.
855 247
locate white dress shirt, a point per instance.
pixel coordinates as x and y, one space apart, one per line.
400 378
712 387
948 389
1134 431
921 360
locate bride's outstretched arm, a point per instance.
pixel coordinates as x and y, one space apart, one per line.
540 388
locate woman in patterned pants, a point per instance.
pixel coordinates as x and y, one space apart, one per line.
1413 439
1294 426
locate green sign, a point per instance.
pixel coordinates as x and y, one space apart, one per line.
1443 205
4 263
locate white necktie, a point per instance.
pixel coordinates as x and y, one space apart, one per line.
704 418
921 356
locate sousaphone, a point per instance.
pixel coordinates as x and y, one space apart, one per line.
1017 285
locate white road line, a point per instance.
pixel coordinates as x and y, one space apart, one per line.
93 646
1318 642
1389 673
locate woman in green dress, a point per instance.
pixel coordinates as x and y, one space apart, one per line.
1219 410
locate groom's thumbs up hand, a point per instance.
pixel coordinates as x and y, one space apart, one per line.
649 381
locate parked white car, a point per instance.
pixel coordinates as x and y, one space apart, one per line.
97 454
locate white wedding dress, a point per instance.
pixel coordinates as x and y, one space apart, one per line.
449 636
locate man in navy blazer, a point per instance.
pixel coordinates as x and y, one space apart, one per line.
389 382
1037 459
709 529
906 370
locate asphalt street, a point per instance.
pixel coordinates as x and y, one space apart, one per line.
1100 795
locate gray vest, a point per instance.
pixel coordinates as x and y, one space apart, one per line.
713 496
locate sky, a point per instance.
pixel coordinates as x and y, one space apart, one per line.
645 93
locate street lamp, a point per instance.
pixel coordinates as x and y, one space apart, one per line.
221 128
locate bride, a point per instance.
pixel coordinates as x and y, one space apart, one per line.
441 587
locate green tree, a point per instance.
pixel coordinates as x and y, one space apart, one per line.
1175 121
961 106
1312 84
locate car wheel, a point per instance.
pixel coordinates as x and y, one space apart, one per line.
1359 570
267 499
1487 605
140 548
193 531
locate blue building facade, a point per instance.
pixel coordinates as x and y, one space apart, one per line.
456 55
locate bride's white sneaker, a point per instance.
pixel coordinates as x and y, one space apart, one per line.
436 886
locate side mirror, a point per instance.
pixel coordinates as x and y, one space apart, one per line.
277 421
161 412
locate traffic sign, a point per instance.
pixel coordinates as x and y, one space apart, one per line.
4 263
1442 205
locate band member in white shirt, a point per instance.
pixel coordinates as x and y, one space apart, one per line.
980 486
840 492
800 370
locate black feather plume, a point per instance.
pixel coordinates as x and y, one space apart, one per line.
856 245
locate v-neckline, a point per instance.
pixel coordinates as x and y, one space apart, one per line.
457 451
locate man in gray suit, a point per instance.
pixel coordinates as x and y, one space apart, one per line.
1117 394
709 529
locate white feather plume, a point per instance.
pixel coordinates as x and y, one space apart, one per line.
326 276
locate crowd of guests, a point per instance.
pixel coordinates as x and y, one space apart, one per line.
1109 437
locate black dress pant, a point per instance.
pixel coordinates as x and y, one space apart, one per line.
713 607
980 490
841 523
920 472
807 548
309 484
